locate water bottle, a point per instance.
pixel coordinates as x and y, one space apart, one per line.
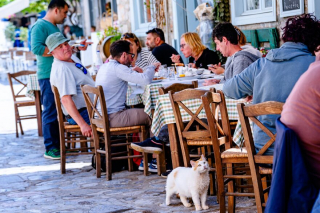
98 61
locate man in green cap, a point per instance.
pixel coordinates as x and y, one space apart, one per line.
56 14
67 74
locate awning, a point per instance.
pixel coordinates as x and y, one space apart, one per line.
13 7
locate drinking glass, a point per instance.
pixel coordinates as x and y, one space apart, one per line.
171 73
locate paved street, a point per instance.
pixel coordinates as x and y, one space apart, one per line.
31 183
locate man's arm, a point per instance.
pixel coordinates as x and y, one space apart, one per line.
241 85
129 75
38 39
74 113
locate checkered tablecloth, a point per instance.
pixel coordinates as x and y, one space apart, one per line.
163 114
32 85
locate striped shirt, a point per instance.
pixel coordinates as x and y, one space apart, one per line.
145 58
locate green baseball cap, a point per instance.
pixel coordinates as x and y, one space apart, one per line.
55 40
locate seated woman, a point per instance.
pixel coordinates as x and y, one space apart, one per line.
200 55
143 57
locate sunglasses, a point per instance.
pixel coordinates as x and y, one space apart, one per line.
182 45
82 68
127 35
132 55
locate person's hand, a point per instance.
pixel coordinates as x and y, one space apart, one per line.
85 45
157 65
138 69
192 65
217 69
86 130
249 98
208 82
175 58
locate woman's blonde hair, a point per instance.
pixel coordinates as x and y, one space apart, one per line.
132 37
194 41
242 40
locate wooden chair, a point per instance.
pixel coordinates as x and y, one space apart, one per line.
256 159
100 124
69 134
20 103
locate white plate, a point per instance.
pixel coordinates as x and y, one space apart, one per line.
156 81
186 78
206 76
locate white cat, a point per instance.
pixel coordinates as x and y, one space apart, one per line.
190 182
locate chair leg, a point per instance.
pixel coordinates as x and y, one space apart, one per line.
108 159
130 152
20 124
231 199
257 186
145 164
264 186
16 120
161 161
62 154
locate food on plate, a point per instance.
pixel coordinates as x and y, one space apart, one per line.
178 64
158 78
182 75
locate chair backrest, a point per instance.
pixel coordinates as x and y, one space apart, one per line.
59 109
15 77
98 119
177 87
255 37
220 132
252 111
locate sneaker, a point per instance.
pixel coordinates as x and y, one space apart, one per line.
151 145
165 174
141 165
153 168
53 154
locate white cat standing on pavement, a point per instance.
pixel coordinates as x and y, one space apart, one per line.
190 182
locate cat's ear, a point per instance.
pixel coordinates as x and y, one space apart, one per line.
193 163
203 158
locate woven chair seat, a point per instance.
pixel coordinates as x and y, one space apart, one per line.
199 142
235 153
265 170
70 126
117 129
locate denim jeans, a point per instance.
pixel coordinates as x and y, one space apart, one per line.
50 126
84 114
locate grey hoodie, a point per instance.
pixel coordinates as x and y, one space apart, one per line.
270 79
237 63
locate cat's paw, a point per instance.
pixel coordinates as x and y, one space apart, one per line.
205 207
187 205
198 208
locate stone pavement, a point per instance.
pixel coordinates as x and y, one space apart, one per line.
31 183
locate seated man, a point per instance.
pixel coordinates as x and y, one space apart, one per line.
67 74
226 37
160 49
273 77
114 77
301 113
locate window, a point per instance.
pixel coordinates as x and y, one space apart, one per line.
142 16
314 7
252 11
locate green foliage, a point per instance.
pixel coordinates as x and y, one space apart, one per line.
23 34
4 2
112 31
9 31
37 6
221 11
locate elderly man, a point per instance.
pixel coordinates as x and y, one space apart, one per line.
67 74
226 37
273 77
56 14
160 49
114 77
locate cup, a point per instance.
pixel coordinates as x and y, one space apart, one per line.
171 73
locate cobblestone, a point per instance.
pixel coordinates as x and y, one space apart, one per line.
31 183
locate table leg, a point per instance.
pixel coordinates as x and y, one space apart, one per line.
174 147
39 111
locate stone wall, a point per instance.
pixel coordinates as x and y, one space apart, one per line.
124 15
277 24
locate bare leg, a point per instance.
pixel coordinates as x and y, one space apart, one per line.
184 201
